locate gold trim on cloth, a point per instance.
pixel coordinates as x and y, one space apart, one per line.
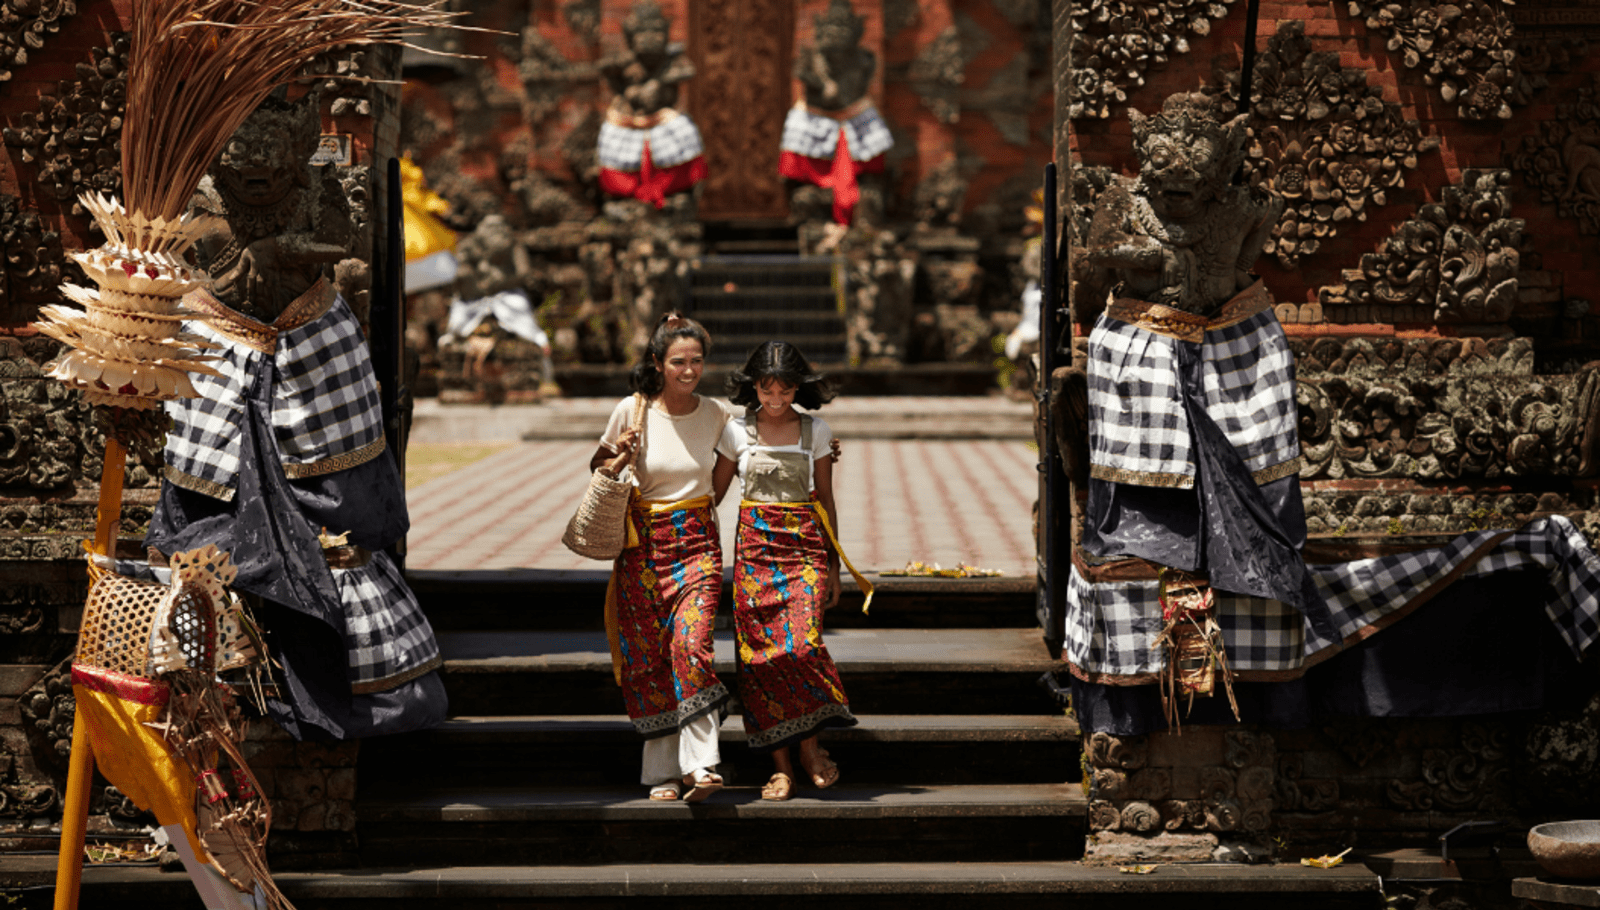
399 679
1277 471
854 109
1185 326
338 462
190 482
1186 481
616 116
253 333
1141 478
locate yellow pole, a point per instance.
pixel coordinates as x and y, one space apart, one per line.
80 767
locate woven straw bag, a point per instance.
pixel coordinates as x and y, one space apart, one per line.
599 528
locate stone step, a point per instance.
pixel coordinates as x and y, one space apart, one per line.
884 671
557 600
736 299
599 749
826 324
552 824
1049 885
821 346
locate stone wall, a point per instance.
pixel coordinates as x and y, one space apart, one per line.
1434 269
963 85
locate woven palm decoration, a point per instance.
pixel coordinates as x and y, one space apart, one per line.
145 676
196 71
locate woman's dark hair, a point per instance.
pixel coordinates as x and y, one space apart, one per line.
646 376
782 361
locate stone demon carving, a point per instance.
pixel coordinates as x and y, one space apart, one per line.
287 224
1193 449
834 139
649 150
1180 234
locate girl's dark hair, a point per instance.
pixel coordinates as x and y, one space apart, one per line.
646 376
782 361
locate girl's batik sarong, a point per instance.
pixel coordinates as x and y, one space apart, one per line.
667 590
787 681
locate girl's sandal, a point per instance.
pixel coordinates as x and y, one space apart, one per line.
702 784
667 792
779 788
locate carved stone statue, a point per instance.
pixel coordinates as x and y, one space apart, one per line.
649 150
1193 447
1181 234
282 460
834 134
287 224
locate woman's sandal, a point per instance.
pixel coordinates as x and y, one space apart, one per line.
702 784
667 792
779 788
827 776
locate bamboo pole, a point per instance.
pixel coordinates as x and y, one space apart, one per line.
80 767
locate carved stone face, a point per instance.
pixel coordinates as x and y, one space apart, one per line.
1186 155
835 36
258 166
649 42
1179 171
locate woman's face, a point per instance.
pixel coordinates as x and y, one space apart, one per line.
682 366
775 395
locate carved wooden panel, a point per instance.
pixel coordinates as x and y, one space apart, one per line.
742 52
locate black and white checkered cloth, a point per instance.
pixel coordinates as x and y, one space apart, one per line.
324 393
674 142
1111 626
1137 423
389 639
326 414
816 136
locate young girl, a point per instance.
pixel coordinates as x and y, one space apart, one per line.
786 562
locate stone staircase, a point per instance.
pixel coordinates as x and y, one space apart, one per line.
539 767
743 300
960 786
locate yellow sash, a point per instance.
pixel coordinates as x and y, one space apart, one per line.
827 525
613 628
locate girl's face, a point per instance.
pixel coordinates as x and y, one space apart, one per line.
775 395
682 366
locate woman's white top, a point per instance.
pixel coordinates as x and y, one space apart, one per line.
736 446
679 452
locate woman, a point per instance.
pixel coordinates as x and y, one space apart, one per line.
665 590
786 567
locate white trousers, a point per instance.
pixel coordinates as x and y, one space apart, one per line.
677 755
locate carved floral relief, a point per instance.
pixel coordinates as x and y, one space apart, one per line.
1116 42
1467 49
1322 138
1457 259
25 25
1562 159
73 139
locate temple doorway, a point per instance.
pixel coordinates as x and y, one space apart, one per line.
742 52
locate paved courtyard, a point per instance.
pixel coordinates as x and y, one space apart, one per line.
938 500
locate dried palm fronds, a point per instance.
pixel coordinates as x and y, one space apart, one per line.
198 68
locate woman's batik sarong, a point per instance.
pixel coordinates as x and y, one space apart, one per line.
667 590
787 681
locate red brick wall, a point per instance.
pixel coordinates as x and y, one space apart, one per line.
1462 144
